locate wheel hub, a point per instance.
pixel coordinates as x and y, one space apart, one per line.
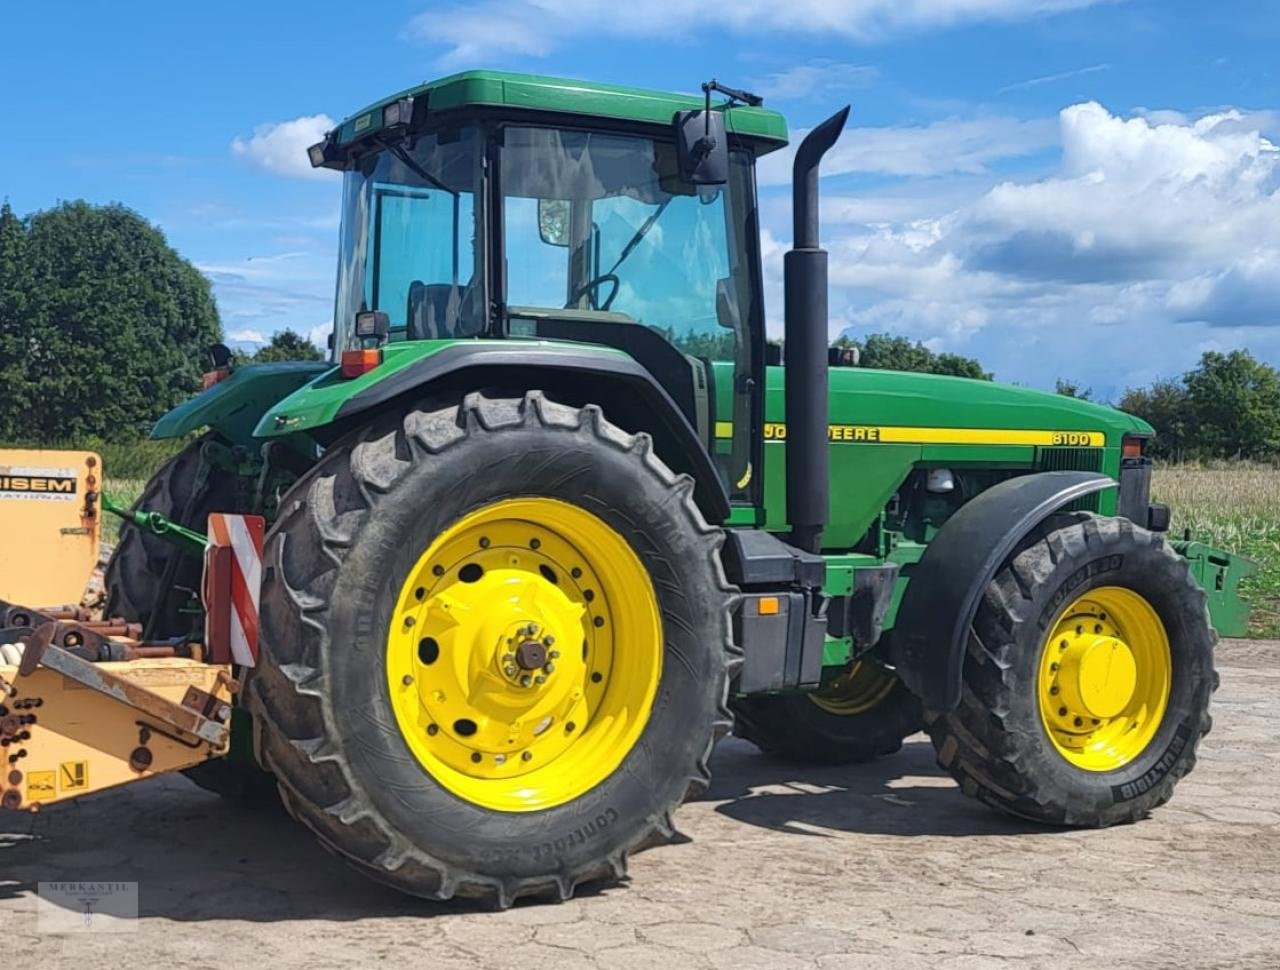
1104 679
487 690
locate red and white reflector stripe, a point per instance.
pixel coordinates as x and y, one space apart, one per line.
232 587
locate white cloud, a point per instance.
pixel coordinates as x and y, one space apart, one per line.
319 334
281 147
476 32
1152 241
246 337
942 147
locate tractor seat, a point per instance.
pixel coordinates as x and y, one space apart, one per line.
441 310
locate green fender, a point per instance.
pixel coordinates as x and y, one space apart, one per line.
234 405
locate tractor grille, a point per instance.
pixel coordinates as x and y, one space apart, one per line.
1072 459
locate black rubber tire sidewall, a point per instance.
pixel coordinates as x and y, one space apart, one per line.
619 488
792 727
1016 615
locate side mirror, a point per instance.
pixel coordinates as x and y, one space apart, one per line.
553 221
702 147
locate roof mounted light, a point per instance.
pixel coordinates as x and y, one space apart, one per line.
327 153
397 114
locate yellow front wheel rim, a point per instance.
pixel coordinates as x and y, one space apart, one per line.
1104 679
524 654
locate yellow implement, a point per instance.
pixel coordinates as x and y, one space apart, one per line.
50 524
84 705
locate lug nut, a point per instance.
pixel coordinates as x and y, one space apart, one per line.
549 669
526 756
509 670
548 640
540 679
554 655
526 680
509 658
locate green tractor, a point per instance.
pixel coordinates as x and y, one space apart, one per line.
553 518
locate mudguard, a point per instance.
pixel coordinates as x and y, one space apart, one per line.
941 600
234 405
574 373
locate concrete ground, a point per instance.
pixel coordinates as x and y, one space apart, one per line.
882 865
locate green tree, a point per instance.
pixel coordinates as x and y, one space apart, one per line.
1233 405
1068 388
887 352
14 288
1164 406
287 345
110 321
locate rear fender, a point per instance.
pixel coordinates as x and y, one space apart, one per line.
573 374
932 629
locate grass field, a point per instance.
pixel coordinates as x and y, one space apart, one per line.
1234 507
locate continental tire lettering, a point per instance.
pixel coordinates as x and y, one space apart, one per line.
1106 564
1153 777
579 835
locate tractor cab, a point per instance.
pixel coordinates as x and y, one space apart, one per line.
533 210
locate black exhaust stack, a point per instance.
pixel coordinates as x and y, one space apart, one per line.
805 336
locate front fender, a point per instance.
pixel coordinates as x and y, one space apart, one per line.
931 633
234 405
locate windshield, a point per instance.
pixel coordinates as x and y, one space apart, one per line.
409 239
597 221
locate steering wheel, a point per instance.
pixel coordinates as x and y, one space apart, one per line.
594 284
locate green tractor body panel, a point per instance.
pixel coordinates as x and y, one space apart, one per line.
234 405
1219 574
884 424
318 403
515 93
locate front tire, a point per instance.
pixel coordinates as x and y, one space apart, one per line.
371 643
1087 677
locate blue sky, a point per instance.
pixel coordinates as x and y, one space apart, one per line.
1085 189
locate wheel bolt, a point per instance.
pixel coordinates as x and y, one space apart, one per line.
526 756
548 640
549 669
554 655
526 680
408 679
509 670
509 658
531 630
1053 689
540 679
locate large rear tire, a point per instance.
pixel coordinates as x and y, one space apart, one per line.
863 714
140 589
1087 678
411 580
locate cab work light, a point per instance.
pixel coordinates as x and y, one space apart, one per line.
372 328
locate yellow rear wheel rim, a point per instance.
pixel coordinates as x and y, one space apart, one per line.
1104 679
524 654
856 690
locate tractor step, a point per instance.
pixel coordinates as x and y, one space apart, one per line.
85 707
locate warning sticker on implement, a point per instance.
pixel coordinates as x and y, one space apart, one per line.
40 786
73 776
38 484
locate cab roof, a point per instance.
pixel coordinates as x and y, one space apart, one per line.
536 94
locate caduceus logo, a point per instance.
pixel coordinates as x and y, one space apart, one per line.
88 902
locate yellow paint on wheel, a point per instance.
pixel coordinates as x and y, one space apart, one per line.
524 654
858 689
1104 678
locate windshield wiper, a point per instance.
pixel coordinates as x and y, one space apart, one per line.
643 231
